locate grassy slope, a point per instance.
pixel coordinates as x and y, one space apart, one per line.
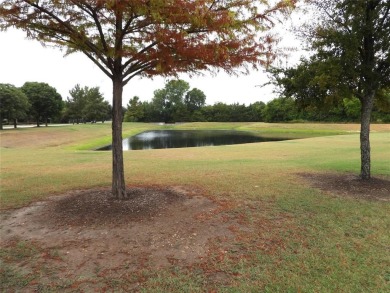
320 243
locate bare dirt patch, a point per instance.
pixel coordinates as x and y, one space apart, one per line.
85 234
350 185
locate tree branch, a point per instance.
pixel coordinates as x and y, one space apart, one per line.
70 32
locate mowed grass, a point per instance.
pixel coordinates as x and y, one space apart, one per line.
38 162
298 239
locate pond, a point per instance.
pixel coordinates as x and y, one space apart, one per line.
163 139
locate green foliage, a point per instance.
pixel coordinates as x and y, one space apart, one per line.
134 111
86 104
45 101
281 109
175 102
194 100
14 103
351 59
169 100
96 108
309 83
352 108
284 109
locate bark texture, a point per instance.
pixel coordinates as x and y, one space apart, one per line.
118 178
365 149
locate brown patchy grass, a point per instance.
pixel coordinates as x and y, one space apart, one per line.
89 240
85 241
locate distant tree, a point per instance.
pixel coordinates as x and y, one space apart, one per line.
220 112
150 113
14 104
280 109
86 104
194 100
76 103
95 108
128 38
256 111
169 100
45 101
134 111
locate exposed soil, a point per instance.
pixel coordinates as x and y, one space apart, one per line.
83 238
349 185
85 233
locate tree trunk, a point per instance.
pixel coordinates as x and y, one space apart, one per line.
118 177
15 123
38 122
365 151
46 121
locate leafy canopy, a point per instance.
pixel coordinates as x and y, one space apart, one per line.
149 37
13 102
86 104
45 100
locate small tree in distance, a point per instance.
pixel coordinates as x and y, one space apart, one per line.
128 38
169 101
44 99
86 104
134 111
194 100
75 104
14 103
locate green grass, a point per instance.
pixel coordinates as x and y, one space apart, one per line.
298 239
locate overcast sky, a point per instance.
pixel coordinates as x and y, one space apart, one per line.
24 60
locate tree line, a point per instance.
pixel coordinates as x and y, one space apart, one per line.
176 102
41 103
33 101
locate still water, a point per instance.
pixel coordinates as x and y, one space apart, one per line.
164 139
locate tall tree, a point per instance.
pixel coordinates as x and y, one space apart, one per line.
45 101
194 99
86 104
13 103
169 100
96 108
75 104
128 38
351 44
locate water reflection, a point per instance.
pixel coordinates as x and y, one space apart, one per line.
162 139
